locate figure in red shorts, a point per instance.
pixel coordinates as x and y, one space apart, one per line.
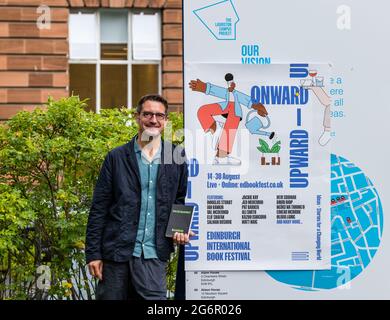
230 108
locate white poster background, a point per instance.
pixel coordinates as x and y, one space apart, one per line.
351 36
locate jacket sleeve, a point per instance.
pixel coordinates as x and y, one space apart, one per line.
216 91
102 198
182 188
244 99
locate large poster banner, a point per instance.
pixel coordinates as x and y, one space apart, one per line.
301 43
257 135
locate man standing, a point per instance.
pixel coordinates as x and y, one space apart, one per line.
126 247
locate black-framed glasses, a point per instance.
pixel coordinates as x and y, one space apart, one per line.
149 115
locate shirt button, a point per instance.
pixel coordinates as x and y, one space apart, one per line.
150 197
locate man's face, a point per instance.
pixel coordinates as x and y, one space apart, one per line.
152 119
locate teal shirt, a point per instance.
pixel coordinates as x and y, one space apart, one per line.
146 238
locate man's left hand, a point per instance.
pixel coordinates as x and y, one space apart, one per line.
182 238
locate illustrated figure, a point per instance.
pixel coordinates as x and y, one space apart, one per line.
325 100
126 246
224 133
316 85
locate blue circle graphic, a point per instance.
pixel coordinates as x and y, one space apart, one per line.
356 230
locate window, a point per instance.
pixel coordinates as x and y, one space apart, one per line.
116 58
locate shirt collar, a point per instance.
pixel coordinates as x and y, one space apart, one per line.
137 149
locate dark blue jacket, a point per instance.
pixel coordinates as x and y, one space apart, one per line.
114 215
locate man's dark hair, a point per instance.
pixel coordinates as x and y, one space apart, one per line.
152 97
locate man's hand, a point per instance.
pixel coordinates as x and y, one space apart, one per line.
198 85
261 110
182 238
96 269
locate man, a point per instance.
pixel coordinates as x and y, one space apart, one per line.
230 108
126 247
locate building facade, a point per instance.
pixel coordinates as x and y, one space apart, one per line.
109 51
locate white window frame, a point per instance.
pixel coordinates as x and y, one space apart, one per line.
129 62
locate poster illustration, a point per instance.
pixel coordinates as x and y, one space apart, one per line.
260 139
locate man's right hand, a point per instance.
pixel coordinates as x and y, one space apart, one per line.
96 269
198 85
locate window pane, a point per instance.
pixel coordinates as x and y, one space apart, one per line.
146 36
113 26
113 86
83 83
82 45
144 81
113 51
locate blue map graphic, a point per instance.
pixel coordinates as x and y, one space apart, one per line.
220 19
357 225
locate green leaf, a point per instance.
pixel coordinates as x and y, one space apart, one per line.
276 147
264 148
